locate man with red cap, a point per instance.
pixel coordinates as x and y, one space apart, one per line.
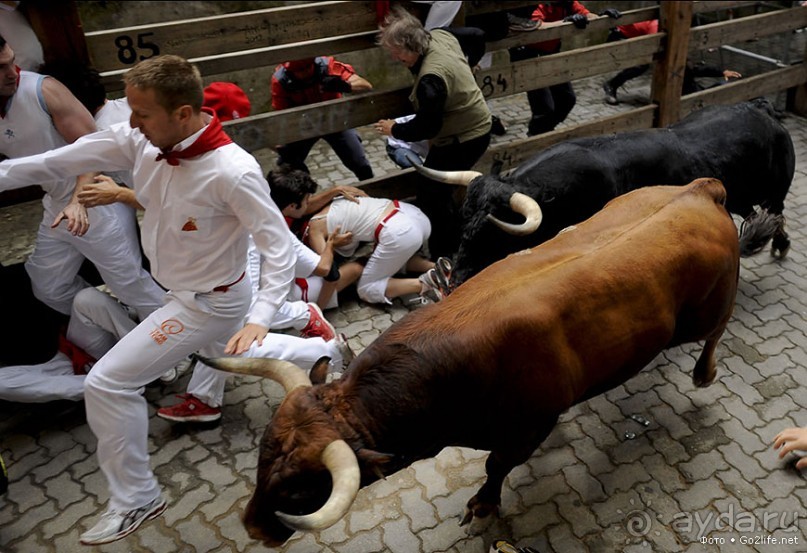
308 81
228 100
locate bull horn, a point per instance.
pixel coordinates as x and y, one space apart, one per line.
288 375
526 206
449 177
341 462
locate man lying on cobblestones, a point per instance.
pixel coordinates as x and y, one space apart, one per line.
202 195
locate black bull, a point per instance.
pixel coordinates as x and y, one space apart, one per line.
742 145
493 365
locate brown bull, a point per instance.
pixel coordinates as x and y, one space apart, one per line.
495 364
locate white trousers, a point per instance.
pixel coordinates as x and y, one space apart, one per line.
113 391
402 236
97 322
110 243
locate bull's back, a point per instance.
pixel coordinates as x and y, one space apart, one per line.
589 308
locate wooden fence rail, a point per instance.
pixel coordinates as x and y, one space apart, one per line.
263 38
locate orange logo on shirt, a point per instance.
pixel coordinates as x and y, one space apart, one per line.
190 225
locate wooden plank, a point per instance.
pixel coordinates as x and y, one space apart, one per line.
512 154
193 38
747 28
668 72
711 6
504 80
262 57
746 88
266 130
565 31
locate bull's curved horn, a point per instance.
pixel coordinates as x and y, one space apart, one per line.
526 206
288 375
449 177
341 462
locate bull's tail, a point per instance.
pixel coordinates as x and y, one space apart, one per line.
760 227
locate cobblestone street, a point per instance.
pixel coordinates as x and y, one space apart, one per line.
656 465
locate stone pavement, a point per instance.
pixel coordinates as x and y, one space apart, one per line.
652 466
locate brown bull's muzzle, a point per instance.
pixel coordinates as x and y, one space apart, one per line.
523 205
341 462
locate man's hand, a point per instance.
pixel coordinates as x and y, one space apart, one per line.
384 126
78 222
613 13
103 191
242 340
333 83
578 19
792 439
351 193
338 239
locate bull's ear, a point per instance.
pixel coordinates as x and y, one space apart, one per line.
320 370
374 462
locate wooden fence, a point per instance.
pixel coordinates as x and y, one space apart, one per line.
264 38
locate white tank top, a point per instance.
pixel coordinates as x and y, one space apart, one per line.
28 129
112 113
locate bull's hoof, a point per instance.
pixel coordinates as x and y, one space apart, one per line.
779 248
703 381
477 509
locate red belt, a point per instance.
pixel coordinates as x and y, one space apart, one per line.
225 287
387 218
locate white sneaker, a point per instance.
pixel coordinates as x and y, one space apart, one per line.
114 526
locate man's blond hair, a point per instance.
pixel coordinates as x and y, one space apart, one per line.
175 81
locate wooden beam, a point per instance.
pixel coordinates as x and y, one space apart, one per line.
521 76
195 38
668 73
746 88
512 154
752 27
713 5
266 130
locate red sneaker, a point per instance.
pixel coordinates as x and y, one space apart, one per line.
318 326
190 410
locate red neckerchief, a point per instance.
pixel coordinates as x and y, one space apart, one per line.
213 137
3 110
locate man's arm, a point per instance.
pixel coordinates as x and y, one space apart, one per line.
70 117
103 191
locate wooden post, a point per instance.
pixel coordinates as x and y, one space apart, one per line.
668 75
58 27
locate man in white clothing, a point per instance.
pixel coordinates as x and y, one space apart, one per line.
202 197
38 114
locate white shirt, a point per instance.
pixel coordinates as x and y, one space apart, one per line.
197 216
361 219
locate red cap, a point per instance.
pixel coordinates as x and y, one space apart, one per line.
296 66
228 100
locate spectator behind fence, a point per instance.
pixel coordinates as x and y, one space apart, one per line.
551 105
228 100
450 111
692 72
311 80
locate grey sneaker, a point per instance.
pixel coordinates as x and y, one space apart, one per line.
114 525
521 24
430 286
610 93
344 350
